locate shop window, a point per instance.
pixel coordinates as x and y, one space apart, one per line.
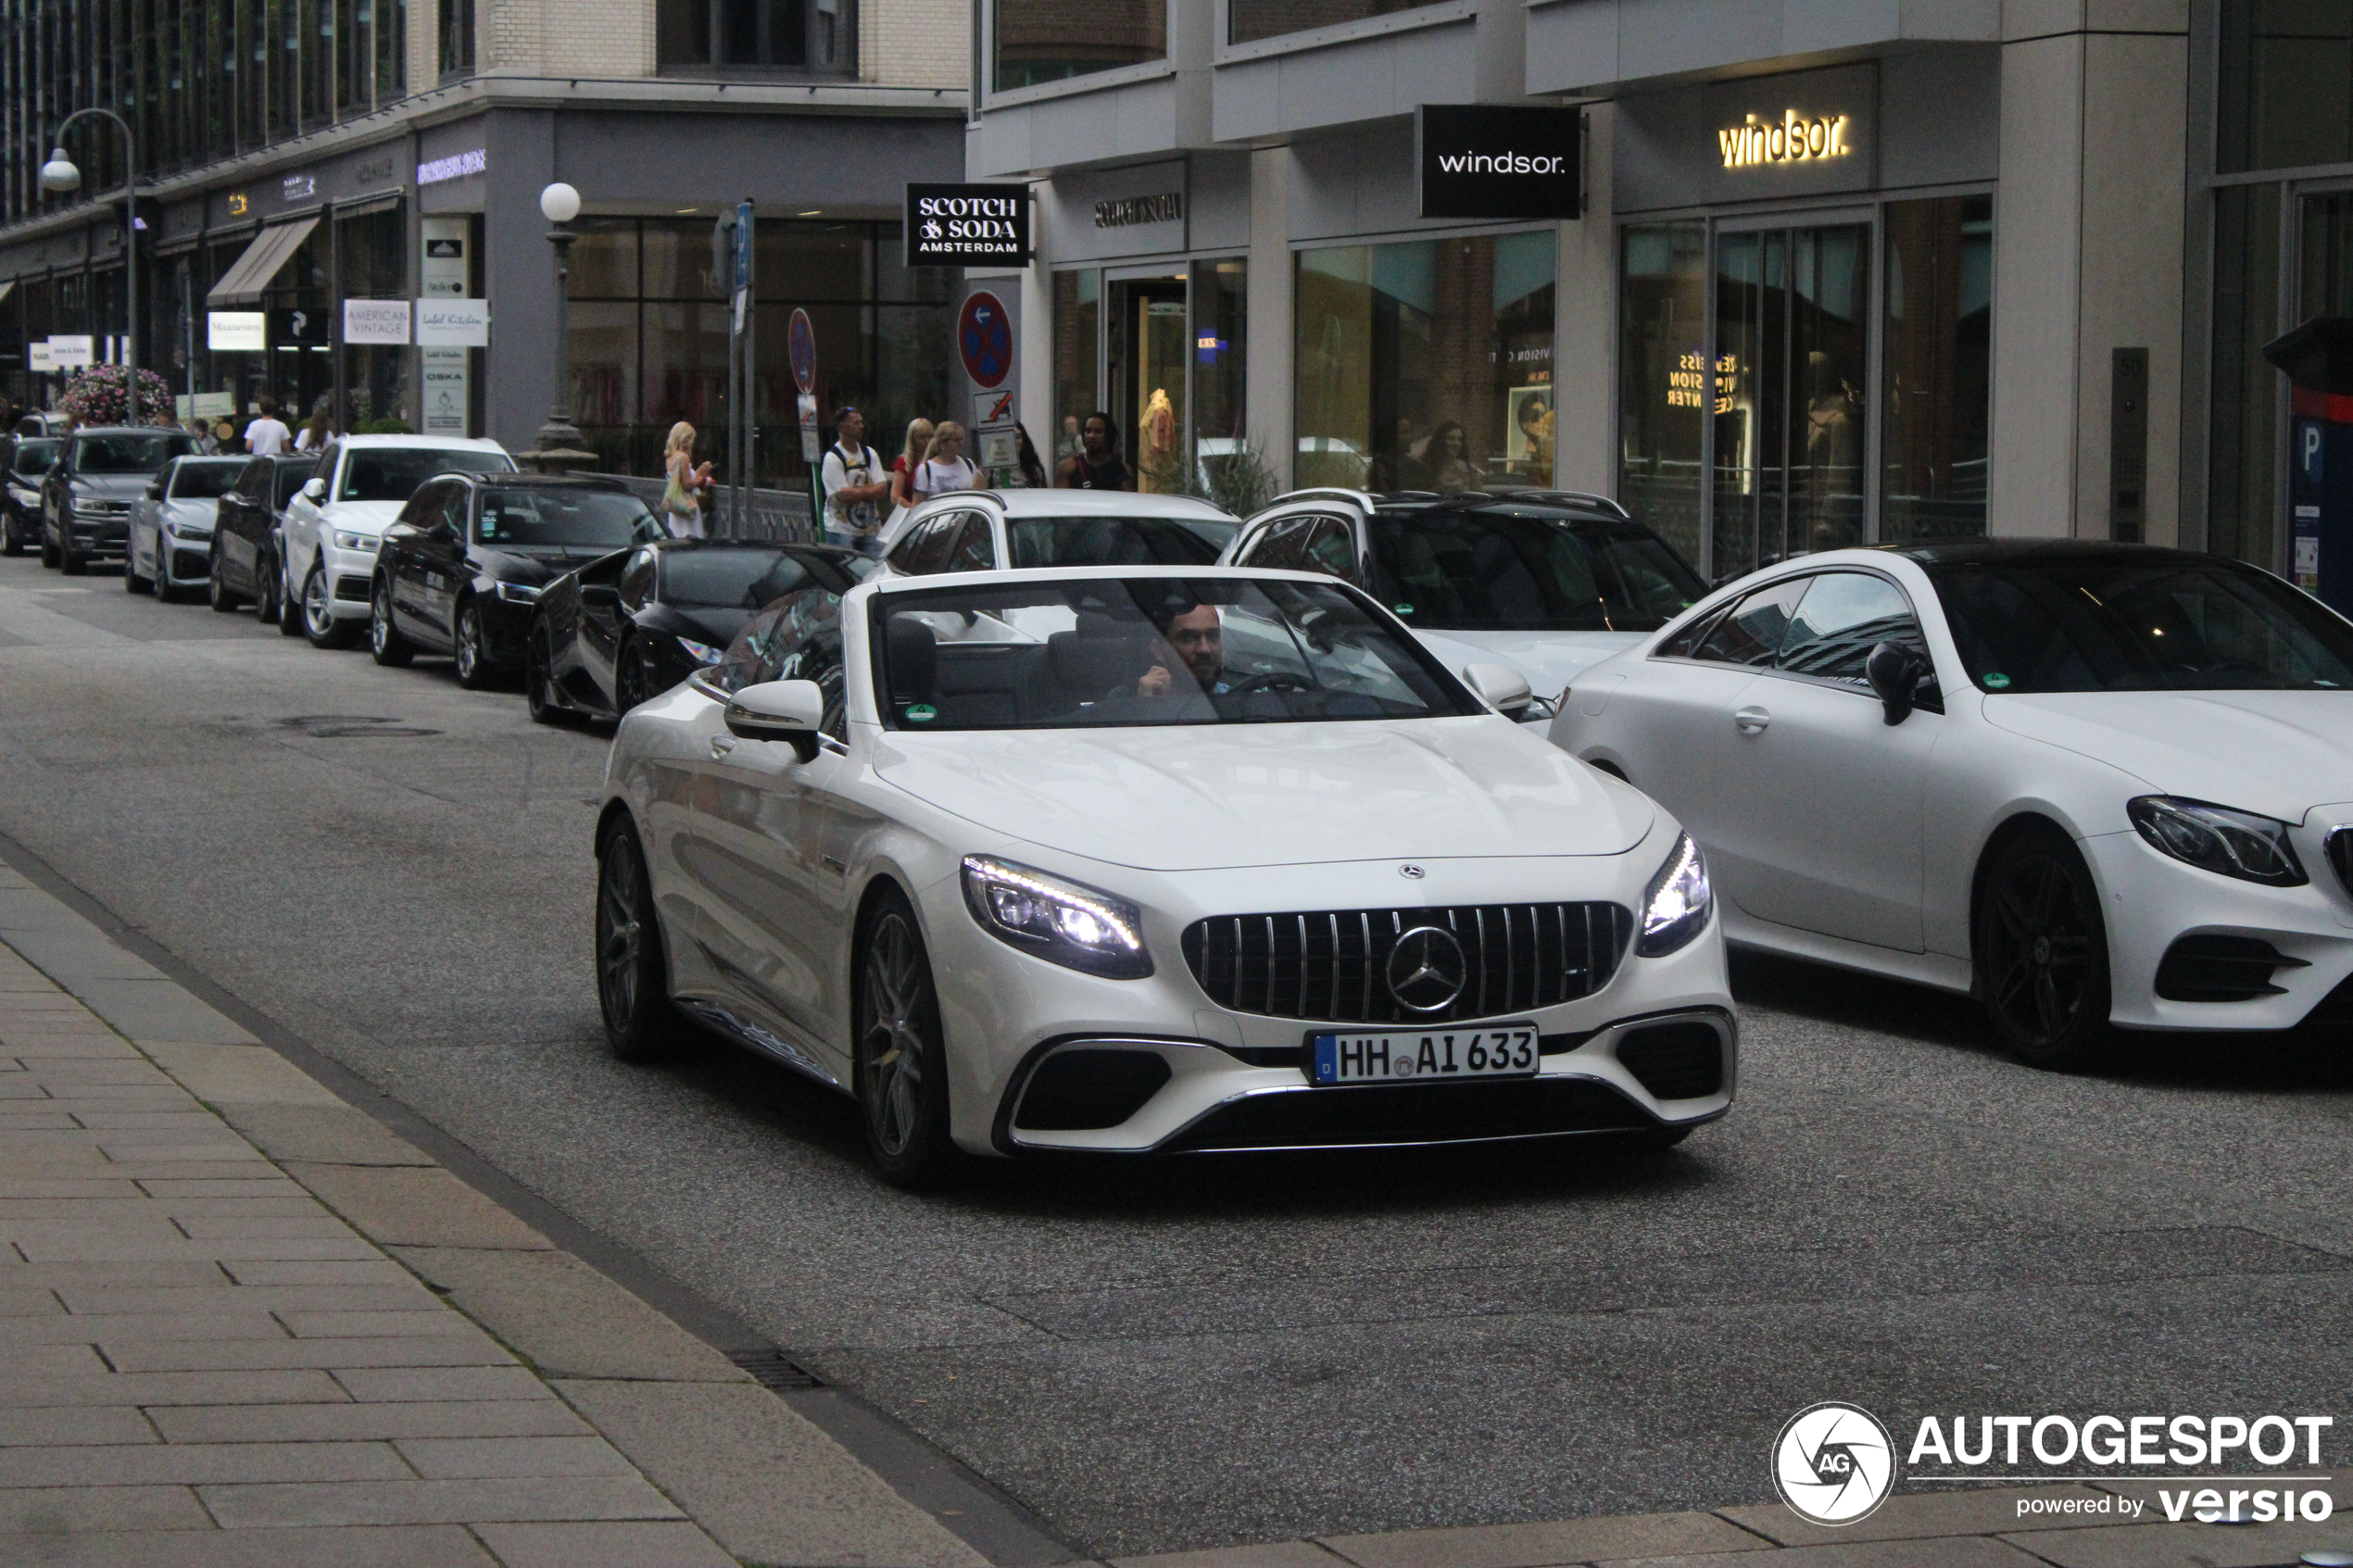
1041 41
1939 343
812 35
1662 384
2243 407
1426 364
1079 392
1221 327
2286 84
1254 20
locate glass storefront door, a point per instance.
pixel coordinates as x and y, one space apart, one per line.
1148 376
1789 395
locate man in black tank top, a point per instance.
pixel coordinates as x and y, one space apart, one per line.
1097 465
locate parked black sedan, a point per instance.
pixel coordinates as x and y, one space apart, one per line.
86 494
620 630
247 543
30 457
460 571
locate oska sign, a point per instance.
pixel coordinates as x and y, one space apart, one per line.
967 225
1480 160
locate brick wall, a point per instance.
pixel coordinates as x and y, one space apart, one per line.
915 43
590 38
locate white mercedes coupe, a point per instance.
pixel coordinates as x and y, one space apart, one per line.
1135 860
2093 784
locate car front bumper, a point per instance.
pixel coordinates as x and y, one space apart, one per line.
185 560
349 575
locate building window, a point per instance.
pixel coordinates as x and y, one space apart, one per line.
1041 41
457 38
1426 364
1663 382
1254 20
2286 84
1078 319
1221 328
1938 379
2243 408
755 35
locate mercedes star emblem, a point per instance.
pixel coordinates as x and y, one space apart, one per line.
1409 872
1427 969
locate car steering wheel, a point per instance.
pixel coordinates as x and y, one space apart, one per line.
1271 680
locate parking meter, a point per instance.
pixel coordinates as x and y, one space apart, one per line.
2318 359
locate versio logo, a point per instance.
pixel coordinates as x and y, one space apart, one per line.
1834 1463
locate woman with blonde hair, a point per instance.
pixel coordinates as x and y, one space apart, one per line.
902 470
944 466
680 497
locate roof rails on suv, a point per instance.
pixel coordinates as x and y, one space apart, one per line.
1370 501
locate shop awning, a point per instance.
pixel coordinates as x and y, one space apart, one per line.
243 283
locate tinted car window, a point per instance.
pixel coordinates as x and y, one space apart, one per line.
600 520
393 473
292 474
33 457
1282 547
1105 541
202 481
2170 625
974 549
1842 616
925 551
1752 633
128 453
729 577
1528 569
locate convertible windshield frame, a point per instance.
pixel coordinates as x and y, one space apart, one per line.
2093 614
1291 650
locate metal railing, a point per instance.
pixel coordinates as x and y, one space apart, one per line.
781 515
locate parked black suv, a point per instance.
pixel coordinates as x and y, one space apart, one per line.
246 546
86 497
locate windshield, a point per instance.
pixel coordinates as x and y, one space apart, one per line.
2173 624
733 577
1528 569
1149 650
393 473
35 457
1108 540
594 520
128 453
205 481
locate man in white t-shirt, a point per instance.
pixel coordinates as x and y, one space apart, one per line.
267 435
856 486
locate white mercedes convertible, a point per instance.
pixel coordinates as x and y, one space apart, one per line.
1139 860
2092 783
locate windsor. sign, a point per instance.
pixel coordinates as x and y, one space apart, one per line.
1489 160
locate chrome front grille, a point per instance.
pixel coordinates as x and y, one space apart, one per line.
2339 844
1331 965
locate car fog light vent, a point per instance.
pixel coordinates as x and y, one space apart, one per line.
1077 1091
2221 969
2340 853
1682 1061
770 1368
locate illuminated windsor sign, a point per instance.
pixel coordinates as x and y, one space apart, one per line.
1792 139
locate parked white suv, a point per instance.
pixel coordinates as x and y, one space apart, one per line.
335 522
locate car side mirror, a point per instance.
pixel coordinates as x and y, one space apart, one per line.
314 490
154 491
785 710
599 596
1504 689
1894 673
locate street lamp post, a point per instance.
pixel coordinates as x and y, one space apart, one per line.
60 175
560 204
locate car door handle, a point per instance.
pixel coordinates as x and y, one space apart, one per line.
721 745
1751 721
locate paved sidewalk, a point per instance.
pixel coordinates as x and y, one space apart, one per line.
230 1335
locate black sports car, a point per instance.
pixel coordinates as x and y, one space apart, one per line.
461 571
620 630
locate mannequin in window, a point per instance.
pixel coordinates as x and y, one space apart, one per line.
1156 447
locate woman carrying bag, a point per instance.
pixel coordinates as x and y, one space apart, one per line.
681 497
944 466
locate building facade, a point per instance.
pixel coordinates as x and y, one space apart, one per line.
1849 270
294 156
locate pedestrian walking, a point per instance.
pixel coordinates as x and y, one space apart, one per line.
902 470
317 428
944 466
268 434
682 494
856 486
1097 465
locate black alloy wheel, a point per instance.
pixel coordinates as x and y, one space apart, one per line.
132 582
631 685
385 645
471 645
161 582
2041 953
12 542
319 623
268 592
216 591
901 1062
633 976
72 562
539 682
49 554
289 606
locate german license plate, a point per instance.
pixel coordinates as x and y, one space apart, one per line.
1413 1056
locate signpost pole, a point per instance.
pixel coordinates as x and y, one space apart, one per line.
744 325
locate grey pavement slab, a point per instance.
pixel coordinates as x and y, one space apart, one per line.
124 1464
434 1502
1553 1541
378 1546
618 1545
350 1422
458 1458
404 1206
570 1319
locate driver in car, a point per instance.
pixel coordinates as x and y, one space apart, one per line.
1195 638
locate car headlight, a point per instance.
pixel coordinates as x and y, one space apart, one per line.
2215 838
518 593
1064 922
347 540
1675 905
702 651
